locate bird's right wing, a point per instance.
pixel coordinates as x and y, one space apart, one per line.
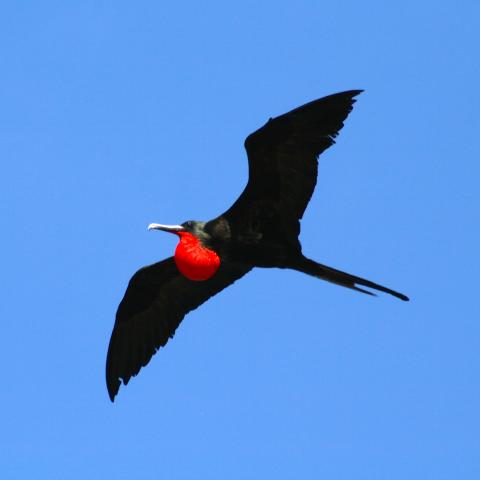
156 300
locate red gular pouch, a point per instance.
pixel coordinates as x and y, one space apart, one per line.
193 260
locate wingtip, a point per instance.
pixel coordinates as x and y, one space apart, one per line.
352 93
112 388
355 93
346 95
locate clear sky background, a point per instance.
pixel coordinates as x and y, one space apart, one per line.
117 114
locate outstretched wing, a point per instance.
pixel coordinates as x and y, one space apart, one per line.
282 159
156 300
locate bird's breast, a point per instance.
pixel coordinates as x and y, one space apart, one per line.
193 260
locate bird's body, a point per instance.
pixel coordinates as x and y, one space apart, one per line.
259 230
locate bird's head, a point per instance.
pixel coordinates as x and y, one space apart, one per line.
193 257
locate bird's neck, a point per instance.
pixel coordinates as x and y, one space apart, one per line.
193 260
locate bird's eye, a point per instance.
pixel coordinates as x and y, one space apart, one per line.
189 224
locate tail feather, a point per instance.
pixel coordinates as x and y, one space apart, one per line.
344 279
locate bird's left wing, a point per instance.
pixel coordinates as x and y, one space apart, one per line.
282 161
156 300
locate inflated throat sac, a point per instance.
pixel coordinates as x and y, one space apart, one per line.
193 260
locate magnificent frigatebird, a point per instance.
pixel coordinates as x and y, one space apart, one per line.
259 230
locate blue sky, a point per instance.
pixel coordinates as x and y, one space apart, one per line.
117 114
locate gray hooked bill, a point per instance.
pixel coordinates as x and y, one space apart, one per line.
166 228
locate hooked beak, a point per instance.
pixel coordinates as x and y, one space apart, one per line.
166 228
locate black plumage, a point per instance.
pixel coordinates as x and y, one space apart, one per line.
259 230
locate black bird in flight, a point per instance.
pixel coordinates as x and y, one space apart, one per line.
259 230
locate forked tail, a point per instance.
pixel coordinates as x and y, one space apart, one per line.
329 274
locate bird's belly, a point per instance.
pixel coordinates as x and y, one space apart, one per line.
266 255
